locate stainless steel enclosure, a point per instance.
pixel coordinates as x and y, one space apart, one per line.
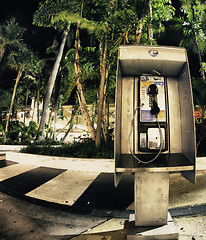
172 64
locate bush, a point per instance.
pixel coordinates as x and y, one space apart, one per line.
201 137
19 133
84 149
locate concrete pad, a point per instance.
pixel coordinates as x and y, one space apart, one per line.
113 224
13 170
167 231
66 188
191 227
201 164
183 193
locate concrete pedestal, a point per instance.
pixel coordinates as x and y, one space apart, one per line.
151 198
151 220
166 232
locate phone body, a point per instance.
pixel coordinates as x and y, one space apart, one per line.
150 139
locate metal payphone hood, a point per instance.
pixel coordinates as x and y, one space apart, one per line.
166 61
172 64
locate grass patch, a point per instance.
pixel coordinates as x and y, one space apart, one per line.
84 149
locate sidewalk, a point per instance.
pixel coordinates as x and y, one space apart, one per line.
88 182
82 186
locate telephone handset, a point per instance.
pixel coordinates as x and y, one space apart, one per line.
152 91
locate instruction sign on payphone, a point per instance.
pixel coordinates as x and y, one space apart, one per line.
152 102
145 111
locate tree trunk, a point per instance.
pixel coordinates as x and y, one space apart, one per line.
70 123
149 30
105 124
51 82
101 94
56 105
33 110
37 109
27 95
139 32
12 100
49 125
2 50
80 93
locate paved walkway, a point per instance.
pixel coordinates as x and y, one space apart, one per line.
93 191
87 188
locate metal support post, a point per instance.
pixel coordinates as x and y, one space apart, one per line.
151 198
151 219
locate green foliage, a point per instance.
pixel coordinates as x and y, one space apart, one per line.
11 34
89 72
47 10
11 30
204 66
122 26
5 97
191 26
199 92
60 14
115 21
162 10
19 133
201 137
84 149
1 128
22 57
66 18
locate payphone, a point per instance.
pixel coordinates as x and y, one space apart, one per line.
154 111
154 124
152 117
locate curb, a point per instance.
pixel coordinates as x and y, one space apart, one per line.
75 164
175 212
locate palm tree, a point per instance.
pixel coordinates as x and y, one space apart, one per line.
43 17
67 13
10 35
50 85
101 22
19 61
38 76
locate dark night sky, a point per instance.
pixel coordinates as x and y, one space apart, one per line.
21 9
35 37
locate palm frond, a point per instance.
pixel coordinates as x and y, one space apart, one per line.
66 18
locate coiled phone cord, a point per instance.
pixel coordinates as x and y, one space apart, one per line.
129 139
